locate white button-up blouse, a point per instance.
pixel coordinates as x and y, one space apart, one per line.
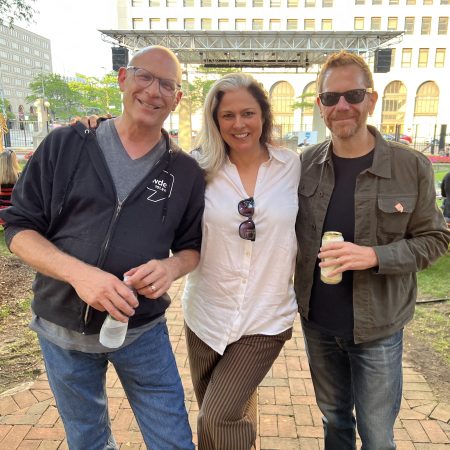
242 287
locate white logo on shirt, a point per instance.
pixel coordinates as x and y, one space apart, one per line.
161 188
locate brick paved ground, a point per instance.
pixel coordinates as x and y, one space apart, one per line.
288 415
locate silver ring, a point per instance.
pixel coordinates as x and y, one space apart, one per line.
153 288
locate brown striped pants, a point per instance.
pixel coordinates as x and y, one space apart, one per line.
225 387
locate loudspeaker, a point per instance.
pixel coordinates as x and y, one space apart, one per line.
382 60
119 57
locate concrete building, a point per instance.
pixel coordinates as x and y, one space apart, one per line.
413 94
23 55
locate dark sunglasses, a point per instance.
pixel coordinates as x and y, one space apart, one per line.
247 229
353 97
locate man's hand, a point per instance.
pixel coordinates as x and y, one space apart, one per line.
152 279
104 292
90 121
348 256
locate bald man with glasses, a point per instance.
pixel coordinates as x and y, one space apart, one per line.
94 206
381 197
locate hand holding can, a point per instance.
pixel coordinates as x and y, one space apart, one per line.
327 238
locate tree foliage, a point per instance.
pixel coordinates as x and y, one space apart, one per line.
305 101
16 10
85 96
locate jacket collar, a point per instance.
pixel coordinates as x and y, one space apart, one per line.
381 165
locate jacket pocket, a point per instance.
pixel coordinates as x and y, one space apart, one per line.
393 214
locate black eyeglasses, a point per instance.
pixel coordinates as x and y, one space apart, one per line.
144 79
247 229
353 97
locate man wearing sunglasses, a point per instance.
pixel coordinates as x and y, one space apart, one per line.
90 207
380 195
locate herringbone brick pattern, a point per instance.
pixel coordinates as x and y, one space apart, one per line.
288 415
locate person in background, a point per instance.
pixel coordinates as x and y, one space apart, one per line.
9 174
239 304
380 195
89 208
445 191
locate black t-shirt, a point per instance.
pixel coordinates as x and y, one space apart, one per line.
332 304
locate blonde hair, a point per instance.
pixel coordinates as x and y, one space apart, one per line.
9 167
344 58
212 148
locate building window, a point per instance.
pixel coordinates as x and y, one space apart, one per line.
309 25
138 24
171 3
375 23
241 3
393 108
427 100
439 59
282 96
409 25
189 24
257 24
292 3
206 3
406 57
258 3
154 3
392 23
327 3
240 24
443 25
188 3
423 58
223 24
275 3
310 3
376 2
154 24
359 23
327 24
392 57
394 2
427 2
360 2
426 25
206 24
291 24
274 24
223 3
171 24
410 2
445 2
137 3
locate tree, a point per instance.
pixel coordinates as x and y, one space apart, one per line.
98 96
64 102
5 107
11 10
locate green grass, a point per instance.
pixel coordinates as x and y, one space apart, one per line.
3 249
434 282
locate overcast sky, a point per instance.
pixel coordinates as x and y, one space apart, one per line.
71 26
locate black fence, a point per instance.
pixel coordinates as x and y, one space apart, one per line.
20 133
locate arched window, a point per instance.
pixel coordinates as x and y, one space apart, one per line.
282 97
309 98
394 104
427 99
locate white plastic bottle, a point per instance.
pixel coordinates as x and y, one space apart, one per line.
113 332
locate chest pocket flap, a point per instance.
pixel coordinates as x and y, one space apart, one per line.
308 186
398 204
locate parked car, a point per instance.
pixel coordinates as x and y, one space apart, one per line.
404 138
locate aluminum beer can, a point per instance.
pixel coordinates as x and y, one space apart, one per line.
328 237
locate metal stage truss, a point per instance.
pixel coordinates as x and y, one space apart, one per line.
297 49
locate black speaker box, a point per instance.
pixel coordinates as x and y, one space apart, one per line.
382 60
119 57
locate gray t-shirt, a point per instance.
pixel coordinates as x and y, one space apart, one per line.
126 174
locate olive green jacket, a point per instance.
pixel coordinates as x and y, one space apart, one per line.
395 213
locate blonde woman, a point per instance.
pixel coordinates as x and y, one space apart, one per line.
9 174
239 304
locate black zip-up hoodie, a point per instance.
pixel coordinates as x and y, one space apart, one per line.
66 193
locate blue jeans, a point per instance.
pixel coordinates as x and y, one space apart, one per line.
367 377
149 376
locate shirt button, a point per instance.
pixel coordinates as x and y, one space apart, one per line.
314 227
